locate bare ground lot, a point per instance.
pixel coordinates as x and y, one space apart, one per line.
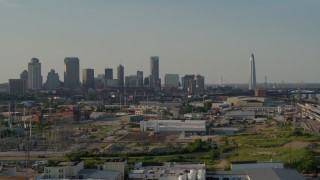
148 137
298 145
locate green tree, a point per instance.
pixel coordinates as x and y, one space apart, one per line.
215 154
207 106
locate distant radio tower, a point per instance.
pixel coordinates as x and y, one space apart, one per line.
220 81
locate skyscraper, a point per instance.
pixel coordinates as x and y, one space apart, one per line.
252 83
24 78
34 74
71 72
88 78
189 83
53 81
140 78
200 85
171 80
154 71
16 86
120 73
131 81
108 73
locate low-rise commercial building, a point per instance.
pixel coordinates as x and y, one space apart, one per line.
112 169
116 165
168 171
63 170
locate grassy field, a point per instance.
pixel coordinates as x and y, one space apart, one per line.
296 148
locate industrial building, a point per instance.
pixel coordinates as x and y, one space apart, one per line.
256 174
192 126
254 170
246 165
112 169
246 101
240 115
98 174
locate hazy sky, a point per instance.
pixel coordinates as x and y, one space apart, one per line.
209 37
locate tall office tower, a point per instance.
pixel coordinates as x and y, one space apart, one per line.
108 73
252 83
146 81
120 73
189 83
154 72
88 78
140 78
34 74
71 73
200 86
53 81
131 81
171 80
220 81
16 86
24 78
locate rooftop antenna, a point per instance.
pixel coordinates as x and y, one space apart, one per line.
265 82
220 81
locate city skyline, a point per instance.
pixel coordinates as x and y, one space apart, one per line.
211 38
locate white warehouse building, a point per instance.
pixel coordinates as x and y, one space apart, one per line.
199 126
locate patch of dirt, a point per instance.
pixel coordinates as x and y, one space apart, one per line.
221 165
298 145
262 153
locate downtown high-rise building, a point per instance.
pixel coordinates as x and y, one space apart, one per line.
16 86
154 72
88 78
53 81
120 75
200 86
140 78
131 81
71 73
108 73
171 80
34 74
189 83
252 82
24 78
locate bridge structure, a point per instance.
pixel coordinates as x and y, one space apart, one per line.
299 94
